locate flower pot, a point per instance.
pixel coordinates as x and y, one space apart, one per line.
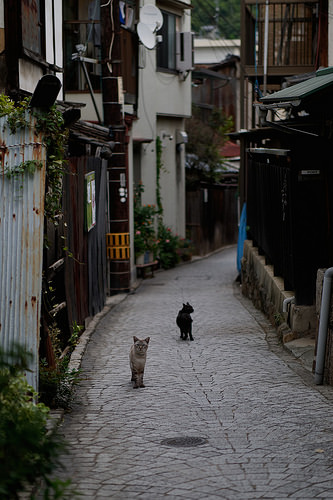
148 257
185 253
140 259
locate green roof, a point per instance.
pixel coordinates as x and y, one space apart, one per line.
322 80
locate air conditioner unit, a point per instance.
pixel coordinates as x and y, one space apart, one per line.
184 51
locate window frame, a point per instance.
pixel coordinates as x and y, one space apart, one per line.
165 60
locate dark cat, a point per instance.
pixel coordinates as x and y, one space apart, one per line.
138 354
184 321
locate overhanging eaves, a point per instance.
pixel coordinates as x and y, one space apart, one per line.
300 91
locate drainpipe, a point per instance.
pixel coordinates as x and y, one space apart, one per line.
286 302
266 46
323 326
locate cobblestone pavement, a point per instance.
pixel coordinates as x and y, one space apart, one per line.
265 428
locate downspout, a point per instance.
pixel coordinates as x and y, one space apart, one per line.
266 46
287 301
323 326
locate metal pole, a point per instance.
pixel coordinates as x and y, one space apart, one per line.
83 64
266 46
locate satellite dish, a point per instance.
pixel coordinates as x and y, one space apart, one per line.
152 17
146 36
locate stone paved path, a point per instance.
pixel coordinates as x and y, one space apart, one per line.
266 429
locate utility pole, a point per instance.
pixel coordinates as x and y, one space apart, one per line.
112 91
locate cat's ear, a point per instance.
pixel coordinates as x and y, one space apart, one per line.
184 304
135 339
147 340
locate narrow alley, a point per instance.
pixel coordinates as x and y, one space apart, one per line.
230 415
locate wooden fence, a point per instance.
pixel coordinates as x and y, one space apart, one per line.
212 216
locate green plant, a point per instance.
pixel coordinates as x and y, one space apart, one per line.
76 333
159 167
56 383
186 249
55 136
278 319
167 245
28 450
205 140
185 243
28 167
144 224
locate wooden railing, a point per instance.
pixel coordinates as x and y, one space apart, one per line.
282 36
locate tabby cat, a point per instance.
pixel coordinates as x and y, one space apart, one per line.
138 355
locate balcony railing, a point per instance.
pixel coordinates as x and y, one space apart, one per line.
86 34
283 37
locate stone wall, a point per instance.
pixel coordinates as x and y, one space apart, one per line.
267 293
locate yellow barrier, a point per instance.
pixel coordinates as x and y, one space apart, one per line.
117 246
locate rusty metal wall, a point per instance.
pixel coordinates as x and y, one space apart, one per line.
21 240
86 267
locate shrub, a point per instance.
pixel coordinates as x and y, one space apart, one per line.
167 245
28 451
56 383
144 224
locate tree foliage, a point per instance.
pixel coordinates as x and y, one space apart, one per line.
221 14
205 140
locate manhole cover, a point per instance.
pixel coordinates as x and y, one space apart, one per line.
185 441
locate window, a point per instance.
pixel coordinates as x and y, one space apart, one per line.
82 31
33 28
166 50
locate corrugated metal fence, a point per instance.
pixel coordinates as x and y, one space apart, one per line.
21 239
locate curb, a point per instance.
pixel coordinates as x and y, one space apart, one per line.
80 348
56 414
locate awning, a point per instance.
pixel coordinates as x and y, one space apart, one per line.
321 82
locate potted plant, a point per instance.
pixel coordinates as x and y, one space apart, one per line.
185 250
167 246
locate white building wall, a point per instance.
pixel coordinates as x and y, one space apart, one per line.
173 174
30 73
2 16
53 36
207 51
164 102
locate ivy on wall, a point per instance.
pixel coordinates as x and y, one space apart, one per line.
51 125
158 175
